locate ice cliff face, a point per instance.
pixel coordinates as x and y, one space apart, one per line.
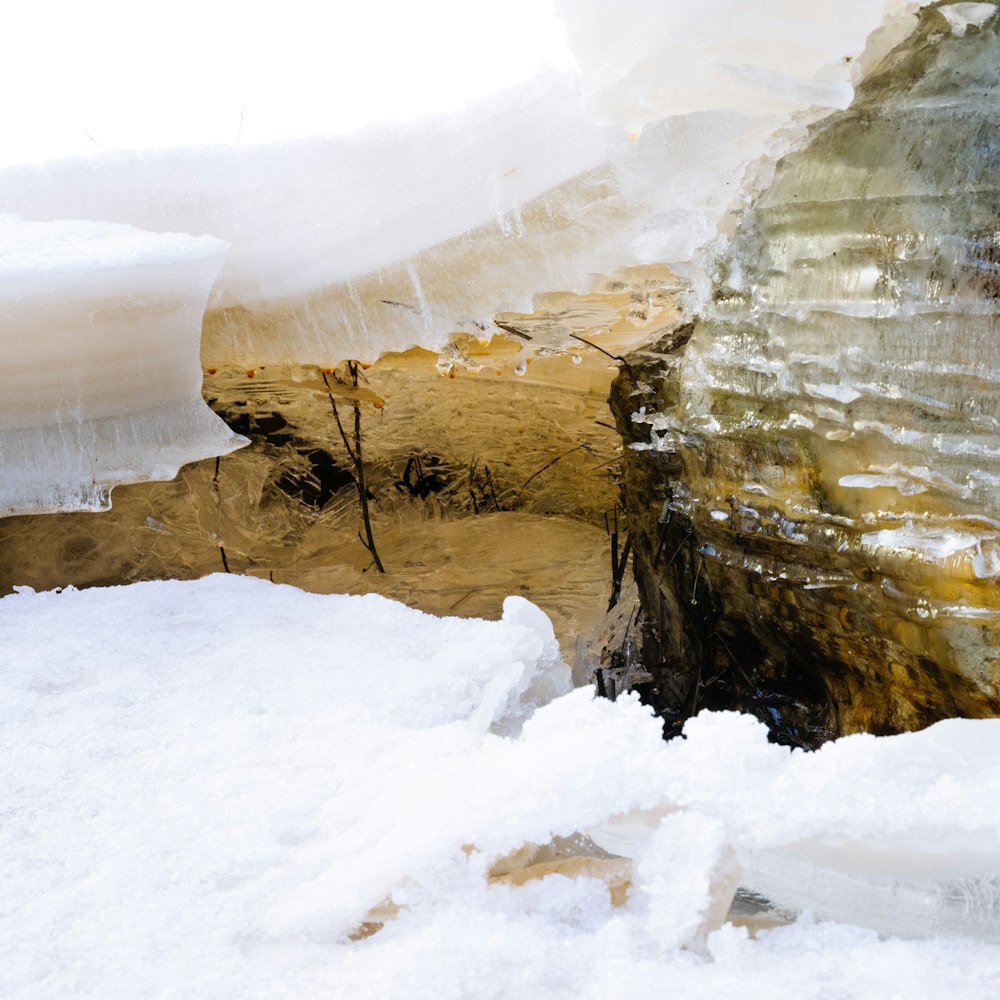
820 444
815 464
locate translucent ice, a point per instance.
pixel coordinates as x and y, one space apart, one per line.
838 398
99 327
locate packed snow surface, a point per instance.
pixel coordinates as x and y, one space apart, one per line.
208 786
406 222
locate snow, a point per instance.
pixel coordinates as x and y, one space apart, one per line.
868 481
643 61
827 390
930 542
208 786
962 16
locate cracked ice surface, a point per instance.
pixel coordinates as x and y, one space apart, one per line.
210 801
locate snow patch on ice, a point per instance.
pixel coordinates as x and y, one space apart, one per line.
99 332
931 543
869 481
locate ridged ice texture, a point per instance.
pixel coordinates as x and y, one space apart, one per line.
836 417
99 332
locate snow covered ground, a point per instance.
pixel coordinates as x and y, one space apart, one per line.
208 788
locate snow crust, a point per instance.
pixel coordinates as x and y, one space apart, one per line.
210 800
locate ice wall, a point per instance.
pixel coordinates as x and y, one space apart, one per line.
308 220
401 234
99 329
818 458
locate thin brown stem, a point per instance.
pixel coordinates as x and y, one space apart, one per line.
548 465
336 416
360 470
357 459
590 343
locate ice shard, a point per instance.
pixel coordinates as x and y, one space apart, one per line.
815 462
99 332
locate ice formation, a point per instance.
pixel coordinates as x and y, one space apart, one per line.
99 333
214 800
774 57
819 450
351 246
333 256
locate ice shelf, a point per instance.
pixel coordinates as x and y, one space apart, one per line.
405 234
99 330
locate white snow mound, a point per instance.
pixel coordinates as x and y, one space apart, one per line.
207 786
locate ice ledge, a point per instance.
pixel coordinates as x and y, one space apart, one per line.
99 336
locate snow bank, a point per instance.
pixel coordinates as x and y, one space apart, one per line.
99 331
210 800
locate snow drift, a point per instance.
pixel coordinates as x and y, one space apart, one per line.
213 800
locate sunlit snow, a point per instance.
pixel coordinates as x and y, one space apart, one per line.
210 786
